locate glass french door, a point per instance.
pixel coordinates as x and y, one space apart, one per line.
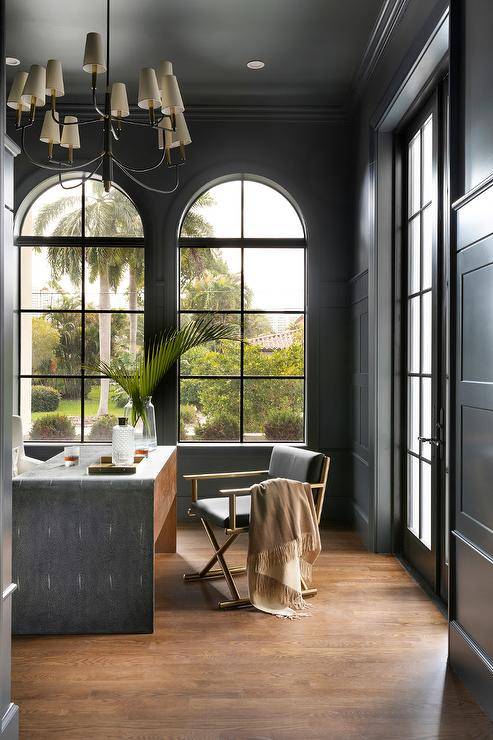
422 318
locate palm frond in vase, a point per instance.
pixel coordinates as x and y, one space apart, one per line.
159 356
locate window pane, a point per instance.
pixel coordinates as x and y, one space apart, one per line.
210 410
51 277
275 344
110 214
413 412
57 212
415 174
269 214
114 278
111 336
213 358
104 402
426 332
427 255
426 416
210 279
215 213
50 344
426 504
274 279
413 494
414 330
50 409
273 410
414 255
428 161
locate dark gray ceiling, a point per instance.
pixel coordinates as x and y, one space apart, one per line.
312 48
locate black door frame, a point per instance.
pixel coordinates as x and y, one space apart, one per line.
436 579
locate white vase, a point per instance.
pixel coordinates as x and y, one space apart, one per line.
123 443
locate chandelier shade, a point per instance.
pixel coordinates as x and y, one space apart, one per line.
34 93
54 78
50 133
158 94
94 61
119 100
14 99
70 133
149 96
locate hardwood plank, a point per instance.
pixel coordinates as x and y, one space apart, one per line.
370 663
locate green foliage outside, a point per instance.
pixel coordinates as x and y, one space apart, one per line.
53 426
44 398
102 428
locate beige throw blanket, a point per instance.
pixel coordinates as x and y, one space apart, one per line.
283 543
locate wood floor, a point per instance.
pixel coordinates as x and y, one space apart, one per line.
370 663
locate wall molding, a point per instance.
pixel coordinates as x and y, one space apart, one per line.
390 15
331 113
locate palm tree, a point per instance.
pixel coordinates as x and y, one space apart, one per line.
106 214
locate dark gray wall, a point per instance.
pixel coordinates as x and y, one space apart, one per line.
313 162
471 559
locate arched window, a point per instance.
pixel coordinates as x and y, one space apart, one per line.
81 299
242 257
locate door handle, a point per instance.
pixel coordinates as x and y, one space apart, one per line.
431 440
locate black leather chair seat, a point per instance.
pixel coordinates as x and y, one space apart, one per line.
216 511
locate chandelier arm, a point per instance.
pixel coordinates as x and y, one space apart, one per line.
83 179
74 123
44 166
149 187
147 125
141 169
95 104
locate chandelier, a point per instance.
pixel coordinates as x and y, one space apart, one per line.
159 94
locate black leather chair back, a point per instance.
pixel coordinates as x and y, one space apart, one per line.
296 464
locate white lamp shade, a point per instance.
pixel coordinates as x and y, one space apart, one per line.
93 54
149 96
50 133
35 86
70 134
171 101
15 95
172 139
119 100
165 68
54 78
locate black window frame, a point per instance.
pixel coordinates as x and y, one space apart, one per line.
243 243
83 242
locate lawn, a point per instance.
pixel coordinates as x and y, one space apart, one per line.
72 407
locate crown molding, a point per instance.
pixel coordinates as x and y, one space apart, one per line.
390 15
332 113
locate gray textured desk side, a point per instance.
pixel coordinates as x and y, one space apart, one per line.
83 546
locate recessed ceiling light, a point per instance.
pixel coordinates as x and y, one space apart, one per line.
256 64
12 61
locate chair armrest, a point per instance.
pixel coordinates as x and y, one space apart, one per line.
211 476
234 491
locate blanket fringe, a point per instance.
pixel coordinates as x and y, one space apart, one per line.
298 548
266 586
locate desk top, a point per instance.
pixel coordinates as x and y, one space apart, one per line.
53 472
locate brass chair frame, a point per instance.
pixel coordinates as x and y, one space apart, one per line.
232 532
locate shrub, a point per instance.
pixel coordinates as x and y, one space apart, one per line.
44 398
102 428
53 426
188 413
220 427
283 426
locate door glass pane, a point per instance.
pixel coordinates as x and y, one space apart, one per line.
413 442
426 416
427 252
426 336
426 503
415 174
428 161
414 255
414 330
413 494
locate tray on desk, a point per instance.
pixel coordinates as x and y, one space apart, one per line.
105 466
